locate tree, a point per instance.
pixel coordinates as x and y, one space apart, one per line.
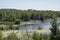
41 17
54 29
17 21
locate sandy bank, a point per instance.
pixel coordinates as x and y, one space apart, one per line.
19 32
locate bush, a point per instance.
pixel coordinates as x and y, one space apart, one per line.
11 26
16 27
7 23
17 21
0 36
5 27
35 36
1 27
39 28
12 36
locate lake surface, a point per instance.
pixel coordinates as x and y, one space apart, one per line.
45 25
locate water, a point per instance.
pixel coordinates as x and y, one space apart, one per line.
45 25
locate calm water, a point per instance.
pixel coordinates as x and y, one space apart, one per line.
44 25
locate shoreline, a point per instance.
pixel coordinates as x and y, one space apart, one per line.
24 23
33 22
19 32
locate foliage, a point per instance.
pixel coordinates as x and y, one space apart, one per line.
13 27
7 23
37 36
1 36
5 27
34 36
11 15
54 29
39 28
1 27
17 21
12 36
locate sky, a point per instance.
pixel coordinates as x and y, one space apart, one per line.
31 4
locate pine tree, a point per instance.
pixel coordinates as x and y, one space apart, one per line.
54 29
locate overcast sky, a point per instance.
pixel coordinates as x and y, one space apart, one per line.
31 4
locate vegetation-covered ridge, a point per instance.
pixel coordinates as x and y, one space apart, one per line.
11 15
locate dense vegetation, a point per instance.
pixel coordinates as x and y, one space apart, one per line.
55 34
54 29
34 36
12 15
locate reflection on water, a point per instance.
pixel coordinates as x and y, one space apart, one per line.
44 25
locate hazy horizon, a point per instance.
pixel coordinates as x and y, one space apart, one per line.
53 5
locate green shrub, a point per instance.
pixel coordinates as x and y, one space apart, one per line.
1 36
5 27
7 23
12 36
39 28
1 27
17 21
11 26
35 36
16 27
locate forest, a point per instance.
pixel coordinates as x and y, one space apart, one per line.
11 15
15 16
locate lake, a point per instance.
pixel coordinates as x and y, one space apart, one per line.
45 25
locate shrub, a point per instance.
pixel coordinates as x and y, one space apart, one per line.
17 21
35 36
5 27
39 28
12 36
0 36
1 27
